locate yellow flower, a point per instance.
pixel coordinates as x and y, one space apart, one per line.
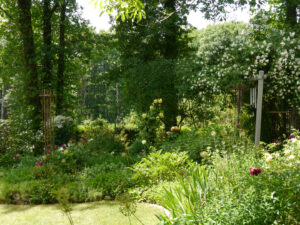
151 107
66 151
161 115
269 159
44 157
132 120
144 115
144 142
63 160
287 152
123 154
160 101
204 154
155 101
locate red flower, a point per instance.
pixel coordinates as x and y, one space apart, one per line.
84 140
63 146
55 147
255 171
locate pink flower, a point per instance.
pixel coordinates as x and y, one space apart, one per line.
276 141
255 171
142 152
18 155
55 147
237 123
63 146
39 163
84 140
49 152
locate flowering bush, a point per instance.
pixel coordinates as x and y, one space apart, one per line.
64 129
149 124
231 60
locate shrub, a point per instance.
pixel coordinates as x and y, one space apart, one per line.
111 183
101 137
64 129
158 166
238 196
214 137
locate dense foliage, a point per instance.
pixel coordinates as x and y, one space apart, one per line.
153 110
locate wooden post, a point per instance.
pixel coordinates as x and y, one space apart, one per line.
261 78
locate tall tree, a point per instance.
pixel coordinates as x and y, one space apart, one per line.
61 58
48 56
31 79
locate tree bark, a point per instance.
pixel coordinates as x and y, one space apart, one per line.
61 60
31 83
3 102
170 52
291 12
47 60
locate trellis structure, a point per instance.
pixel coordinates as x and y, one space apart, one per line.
47 97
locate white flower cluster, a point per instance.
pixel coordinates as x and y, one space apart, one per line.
230 63
60 120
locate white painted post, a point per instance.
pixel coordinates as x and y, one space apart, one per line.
261 78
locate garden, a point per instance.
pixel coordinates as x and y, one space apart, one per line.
152 122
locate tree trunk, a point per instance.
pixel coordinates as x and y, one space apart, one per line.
3 102
47 48
291 12
61 60
171 54
31 79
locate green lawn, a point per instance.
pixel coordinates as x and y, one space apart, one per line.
102 213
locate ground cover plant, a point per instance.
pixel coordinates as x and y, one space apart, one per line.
249 186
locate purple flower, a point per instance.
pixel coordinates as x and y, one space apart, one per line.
39 163
291 137
276 141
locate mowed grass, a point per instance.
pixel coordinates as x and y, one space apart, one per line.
102 213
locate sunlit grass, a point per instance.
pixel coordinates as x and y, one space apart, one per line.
97 213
